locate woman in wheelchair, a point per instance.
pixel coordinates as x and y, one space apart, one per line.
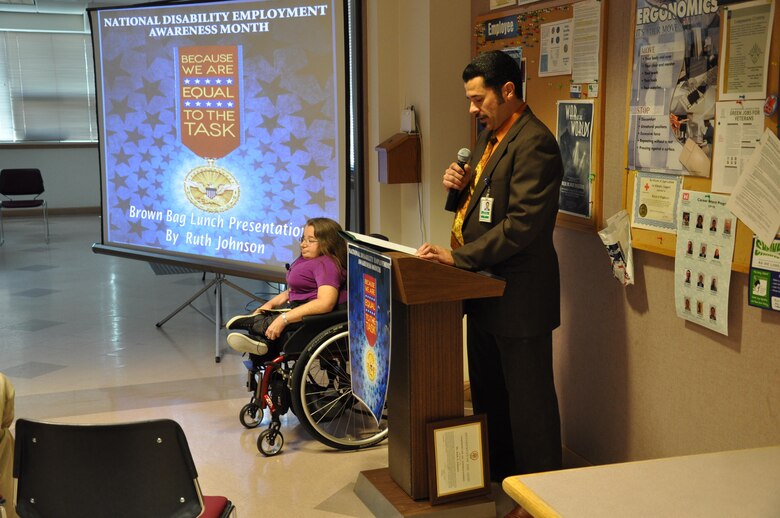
304 364
316 285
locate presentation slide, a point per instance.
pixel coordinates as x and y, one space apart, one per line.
222 129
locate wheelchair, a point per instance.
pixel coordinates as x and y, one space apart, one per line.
310 374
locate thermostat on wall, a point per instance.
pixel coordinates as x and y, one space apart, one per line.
407 120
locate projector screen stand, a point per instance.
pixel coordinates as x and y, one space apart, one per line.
217 282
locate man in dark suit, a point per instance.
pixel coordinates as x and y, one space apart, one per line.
508 207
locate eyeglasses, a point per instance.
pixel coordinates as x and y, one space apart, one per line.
309 240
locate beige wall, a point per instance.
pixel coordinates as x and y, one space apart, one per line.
634 381
416 52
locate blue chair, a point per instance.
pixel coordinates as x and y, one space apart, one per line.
17 186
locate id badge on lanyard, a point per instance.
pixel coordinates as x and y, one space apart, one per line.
485 209
486 205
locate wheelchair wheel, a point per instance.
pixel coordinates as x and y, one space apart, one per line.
251 416
322 395
270 442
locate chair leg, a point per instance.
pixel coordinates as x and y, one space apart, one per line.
2 233
46 220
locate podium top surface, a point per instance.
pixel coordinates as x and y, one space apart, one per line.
417 281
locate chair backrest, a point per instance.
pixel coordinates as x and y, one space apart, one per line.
20 182
112 470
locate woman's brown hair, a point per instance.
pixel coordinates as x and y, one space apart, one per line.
330 241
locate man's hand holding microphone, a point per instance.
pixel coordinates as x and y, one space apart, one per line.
456 178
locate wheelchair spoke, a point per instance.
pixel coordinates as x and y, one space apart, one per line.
328 408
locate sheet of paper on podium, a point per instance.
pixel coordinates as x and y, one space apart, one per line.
377 242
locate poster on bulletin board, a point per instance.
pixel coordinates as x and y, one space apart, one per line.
561 46
575 122
765 275
555 50
705 247
674 83
679 46
747 36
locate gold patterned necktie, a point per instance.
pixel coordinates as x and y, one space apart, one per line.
456 236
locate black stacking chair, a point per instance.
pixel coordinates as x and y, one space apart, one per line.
108 471
17 186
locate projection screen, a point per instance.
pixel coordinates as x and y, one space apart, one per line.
222 130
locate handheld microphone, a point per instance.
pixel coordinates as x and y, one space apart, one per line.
464 155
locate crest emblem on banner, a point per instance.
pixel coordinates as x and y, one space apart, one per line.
209 120
371 365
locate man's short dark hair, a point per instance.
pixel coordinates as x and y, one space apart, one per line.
496 68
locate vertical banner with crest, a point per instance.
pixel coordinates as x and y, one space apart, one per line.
369 299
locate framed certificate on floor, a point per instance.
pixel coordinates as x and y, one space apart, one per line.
457 459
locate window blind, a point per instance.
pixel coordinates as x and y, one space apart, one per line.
47 90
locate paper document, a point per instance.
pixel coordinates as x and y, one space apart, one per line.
705 248
555 49
739 127
745 45
655 201
587 30
378 243
756 197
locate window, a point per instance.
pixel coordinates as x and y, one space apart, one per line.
47 91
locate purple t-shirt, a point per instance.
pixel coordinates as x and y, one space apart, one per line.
306 275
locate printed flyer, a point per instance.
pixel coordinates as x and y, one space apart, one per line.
765 275
674 83
705 248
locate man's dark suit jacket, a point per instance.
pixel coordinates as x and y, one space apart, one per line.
525 173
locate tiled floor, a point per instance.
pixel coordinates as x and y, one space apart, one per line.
78 341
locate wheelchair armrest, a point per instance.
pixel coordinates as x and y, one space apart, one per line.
311 326
334 317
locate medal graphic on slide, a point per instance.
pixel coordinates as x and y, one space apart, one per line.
209 120
211 188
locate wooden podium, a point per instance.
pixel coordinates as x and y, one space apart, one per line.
426 359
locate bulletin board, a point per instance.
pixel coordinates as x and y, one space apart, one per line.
543 93
665 243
